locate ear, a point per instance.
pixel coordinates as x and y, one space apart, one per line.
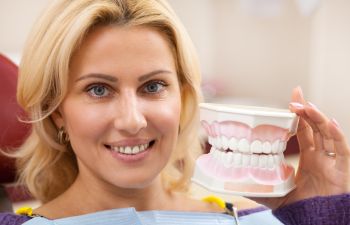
57 118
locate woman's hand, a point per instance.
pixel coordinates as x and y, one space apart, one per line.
324 166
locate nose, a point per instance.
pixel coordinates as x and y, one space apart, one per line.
130 117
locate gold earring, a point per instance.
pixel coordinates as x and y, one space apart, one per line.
62 136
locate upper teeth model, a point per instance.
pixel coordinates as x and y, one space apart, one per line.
246 157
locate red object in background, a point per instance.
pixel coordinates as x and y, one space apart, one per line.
292 146
12 131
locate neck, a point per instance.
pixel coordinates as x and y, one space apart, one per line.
91 198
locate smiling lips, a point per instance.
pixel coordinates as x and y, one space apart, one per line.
130 150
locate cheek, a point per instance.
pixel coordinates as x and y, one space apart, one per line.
83 121
167 117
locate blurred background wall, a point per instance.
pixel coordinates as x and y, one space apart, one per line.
251 51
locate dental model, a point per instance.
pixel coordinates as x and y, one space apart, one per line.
246 157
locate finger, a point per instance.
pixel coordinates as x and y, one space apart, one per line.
297 95
304 132
305 136
318 119
341 147
319 122
307 139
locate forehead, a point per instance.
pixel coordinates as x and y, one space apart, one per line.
123 48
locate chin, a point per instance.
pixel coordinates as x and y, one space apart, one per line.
135 182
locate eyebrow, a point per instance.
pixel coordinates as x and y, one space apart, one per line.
114 79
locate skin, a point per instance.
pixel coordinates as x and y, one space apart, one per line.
123 91
129 116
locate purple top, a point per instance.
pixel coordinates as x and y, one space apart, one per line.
319 210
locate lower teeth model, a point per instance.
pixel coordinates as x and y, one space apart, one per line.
246 157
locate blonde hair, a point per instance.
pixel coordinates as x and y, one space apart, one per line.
49 168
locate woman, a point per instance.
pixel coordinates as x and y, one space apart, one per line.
112 89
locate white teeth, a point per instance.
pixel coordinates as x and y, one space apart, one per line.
278 159
136 149
130 150
233 144
270 163
224 142
238 159
127 150
262 161
254 160
228 159
245 160
256 147
211 140
275 146
282 146
266 147
244 146
262 154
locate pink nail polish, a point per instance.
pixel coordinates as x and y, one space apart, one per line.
335 122
297 105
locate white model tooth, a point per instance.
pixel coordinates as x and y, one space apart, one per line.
262 161
210 140
214 141
128 150
222 157
266 147
275 146
245 160
224 142
277 159
254 160
211 152
233 144
282 146
216 154
243 145
228 159
256 147
237 159
121 149
218 142
270 163
136 149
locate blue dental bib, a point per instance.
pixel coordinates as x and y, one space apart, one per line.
129 216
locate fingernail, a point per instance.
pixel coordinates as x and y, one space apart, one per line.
335 123
296 105
300 91
312 105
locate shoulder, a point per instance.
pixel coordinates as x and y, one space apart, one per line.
319 210
12 219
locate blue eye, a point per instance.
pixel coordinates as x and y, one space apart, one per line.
154 87
99 91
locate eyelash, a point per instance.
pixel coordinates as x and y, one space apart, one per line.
90 89
157 82
106 87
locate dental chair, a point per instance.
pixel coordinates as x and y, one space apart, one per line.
12 134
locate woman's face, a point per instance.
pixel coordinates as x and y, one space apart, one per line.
122 109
